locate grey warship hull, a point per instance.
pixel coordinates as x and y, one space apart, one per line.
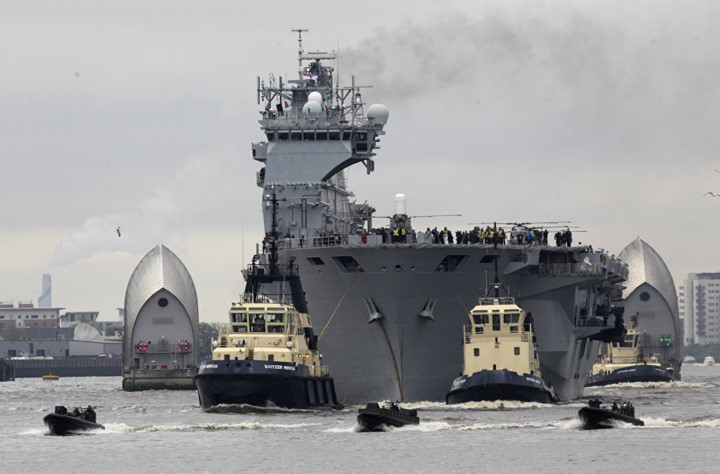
390 321
390 314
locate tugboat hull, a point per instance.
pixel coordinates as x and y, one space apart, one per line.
633 373
263 383
493 385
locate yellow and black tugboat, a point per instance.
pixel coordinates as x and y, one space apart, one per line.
500 357
267 354
625 361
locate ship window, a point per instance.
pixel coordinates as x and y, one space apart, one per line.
480 318
275 317
322 136
517 351
335 136
309 136
361 137
271 136
315 261
296 136
511 318
476 351
347 136
348 264
479 330
240 328
361 146
513 329
496 322
239 317
257 322
271 357
283 136
163 302
450 263
276 328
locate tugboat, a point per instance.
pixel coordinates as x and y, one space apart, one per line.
267 354
594 416
501 361
374 417
625 362
62 422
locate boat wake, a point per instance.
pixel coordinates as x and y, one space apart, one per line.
242 409
675 384
499 405
222 427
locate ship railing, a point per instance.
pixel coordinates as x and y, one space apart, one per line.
571 269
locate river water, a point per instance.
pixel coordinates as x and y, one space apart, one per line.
167 431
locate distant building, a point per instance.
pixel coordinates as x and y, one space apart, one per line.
700 304
651 304
45 299
26 315
72 318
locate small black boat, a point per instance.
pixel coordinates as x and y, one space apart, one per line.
373 417
594 416
64 422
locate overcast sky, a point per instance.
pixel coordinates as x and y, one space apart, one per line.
141 114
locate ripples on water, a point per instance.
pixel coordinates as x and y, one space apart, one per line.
166 431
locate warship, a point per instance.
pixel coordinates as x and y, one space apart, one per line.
390 309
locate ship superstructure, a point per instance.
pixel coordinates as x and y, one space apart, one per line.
390 310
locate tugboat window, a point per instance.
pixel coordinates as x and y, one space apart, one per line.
163 302
496 322
476 351
257 322
644 296
517 351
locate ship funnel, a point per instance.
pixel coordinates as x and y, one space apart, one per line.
378 113
399 204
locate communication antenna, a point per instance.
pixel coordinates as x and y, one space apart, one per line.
300 31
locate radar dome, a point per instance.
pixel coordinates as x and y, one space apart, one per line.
312 110
315 96
378 113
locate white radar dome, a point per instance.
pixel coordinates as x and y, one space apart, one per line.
399 204
378 113
312 110
315 96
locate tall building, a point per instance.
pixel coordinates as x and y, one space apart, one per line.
45 299
700 305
